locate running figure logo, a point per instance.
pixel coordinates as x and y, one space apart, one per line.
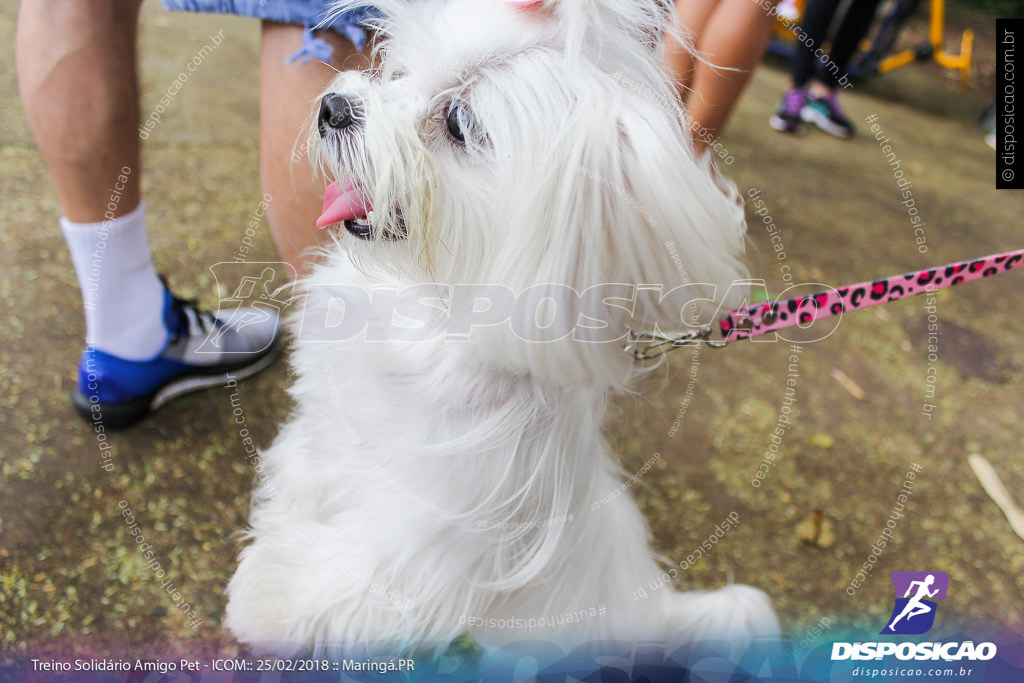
253 301
914 610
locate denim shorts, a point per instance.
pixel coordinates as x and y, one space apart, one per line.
307 13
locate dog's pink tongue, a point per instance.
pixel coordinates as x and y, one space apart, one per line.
343 203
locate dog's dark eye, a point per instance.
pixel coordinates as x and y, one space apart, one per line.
454 121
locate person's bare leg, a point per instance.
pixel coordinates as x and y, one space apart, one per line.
691 17
76 66
735 38
76 73
288 94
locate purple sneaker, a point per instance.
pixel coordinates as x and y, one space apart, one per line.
787 117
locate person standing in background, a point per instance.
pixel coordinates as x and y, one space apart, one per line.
728 40
813 94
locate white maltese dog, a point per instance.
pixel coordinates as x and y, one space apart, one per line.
516 189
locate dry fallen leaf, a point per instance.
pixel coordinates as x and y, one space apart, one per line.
816 530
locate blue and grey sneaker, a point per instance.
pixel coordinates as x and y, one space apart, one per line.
826 114
201 349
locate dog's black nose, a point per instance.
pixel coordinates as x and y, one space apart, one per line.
337 112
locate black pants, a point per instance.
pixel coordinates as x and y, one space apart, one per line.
852 29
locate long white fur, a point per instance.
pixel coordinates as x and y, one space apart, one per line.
425 488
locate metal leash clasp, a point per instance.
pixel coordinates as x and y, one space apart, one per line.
652 345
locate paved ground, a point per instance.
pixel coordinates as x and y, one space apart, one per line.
70 575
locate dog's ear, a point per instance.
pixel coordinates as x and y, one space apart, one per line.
645 20
688 223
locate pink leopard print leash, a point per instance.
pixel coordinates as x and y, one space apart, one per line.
753 321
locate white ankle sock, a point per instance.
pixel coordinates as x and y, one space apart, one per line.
121 291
